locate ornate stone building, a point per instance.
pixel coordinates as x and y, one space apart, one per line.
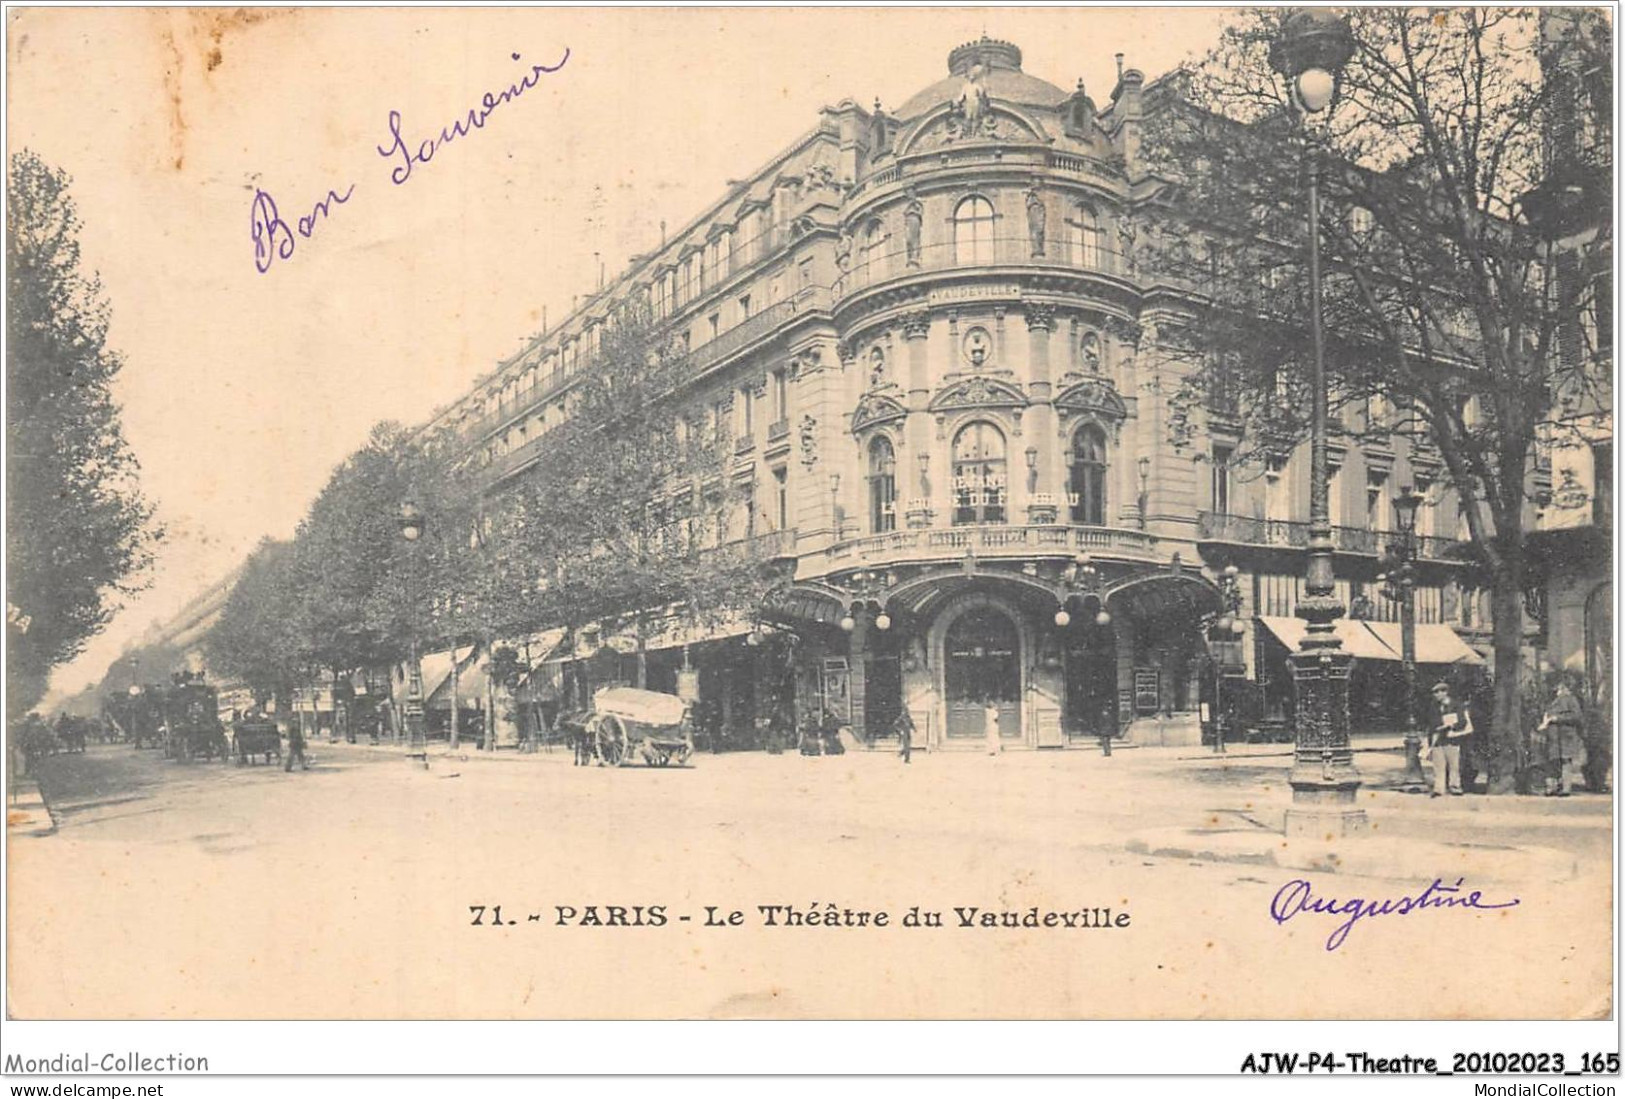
946 377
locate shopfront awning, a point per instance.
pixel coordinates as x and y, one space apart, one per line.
1435 644
470 680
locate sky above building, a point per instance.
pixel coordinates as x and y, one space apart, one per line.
243 387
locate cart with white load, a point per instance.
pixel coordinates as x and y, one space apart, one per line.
627 722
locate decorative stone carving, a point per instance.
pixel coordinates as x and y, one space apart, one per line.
875 409
913 218
1040 316
809 441
1089 350
1121 328
1035 219
971 114
1093 395
807 362
978 392
916 325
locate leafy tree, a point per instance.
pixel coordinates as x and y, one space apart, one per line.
80 532
260 637
633 517
1441 300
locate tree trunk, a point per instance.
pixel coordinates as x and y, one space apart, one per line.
489 740
455 701
643 657
1506 731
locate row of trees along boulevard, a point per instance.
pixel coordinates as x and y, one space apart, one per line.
1448 303
80 535
625 523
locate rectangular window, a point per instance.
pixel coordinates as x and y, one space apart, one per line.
1277 503
715 320
1427 516
1334 495
1221 479
747 411
781 396
804 270
719 420
1376 501
744 307
781 497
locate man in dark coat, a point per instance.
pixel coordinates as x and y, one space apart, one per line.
905 734
296 745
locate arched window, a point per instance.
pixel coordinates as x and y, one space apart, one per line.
875 265
973 231
1083 237
882 486
1088 494
979 474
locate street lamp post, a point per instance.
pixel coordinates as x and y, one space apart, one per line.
1086 585
1402 574
1226 632
1312 49
412 524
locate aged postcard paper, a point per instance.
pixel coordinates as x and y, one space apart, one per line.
810 514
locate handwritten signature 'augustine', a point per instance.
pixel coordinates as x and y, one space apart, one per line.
1296 896
473 120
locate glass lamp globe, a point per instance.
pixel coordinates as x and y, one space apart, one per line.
883 622
1062 619
1315 89
849 624
1103 619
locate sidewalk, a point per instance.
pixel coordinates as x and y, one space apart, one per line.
26 811
1475 836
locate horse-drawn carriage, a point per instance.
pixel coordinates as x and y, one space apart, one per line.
137 717
628 722
192 721
256 736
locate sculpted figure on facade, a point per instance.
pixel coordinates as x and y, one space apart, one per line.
913 219
971 107
1035 219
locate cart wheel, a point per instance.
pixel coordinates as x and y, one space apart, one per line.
684 754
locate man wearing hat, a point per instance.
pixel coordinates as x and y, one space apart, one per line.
1450 735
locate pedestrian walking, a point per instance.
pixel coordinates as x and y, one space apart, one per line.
296 745
1562 724
905 734
1450 734
990 727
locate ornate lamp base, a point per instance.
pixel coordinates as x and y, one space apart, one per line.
1324 781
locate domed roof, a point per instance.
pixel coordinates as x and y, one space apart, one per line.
1001 75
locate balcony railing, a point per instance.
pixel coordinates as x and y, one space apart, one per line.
1250 530
1062 251
808 300
994 540
1001 153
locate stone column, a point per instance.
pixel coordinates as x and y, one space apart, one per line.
1042 425
857 661
917 426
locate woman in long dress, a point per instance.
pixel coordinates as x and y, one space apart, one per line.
990 720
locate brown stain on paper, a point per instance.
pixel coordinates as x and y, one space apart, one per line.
203 40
